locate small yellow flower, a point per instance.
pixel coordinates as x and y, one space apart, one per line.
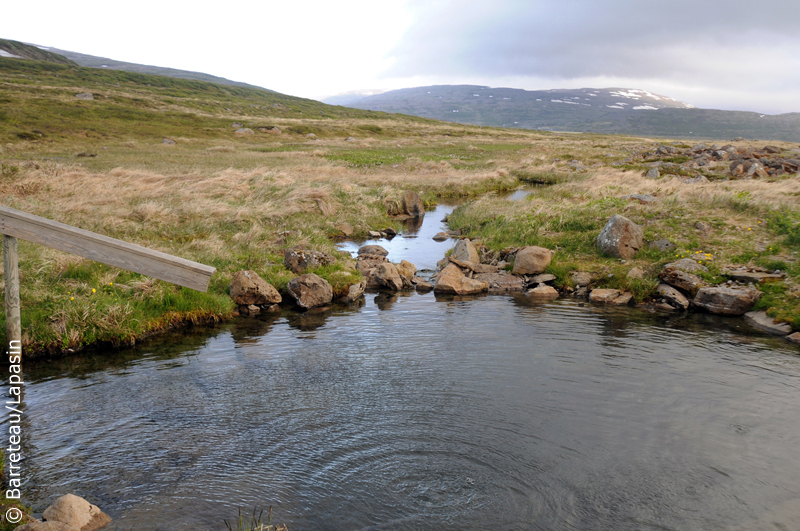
748 228
72 298
110 283
94 290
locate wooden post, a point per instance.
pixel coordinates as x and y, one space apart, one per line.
11 271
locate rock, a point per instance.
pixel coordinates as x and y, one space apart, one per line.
581 278
681 279
623 300
702 226
754 277
274 131
794 338
726 301
695 180
543 292
674 298
349 139
250 309
642 198
168 142
653 173
452 280
422 284
346 229
610 296
244 131
76 513
248 288
484 268
374 234
85 96
354 292
236 125
45 526
466 252
501 281
767 324
532 260
388 277
662 245
372 249
406 269
412 204
685 264
441 236
620 238
311 136
771 149
636 273
299 261
389 232
604 295
544 278
310 291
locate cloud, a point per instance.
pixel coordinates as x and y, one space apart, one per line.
712 44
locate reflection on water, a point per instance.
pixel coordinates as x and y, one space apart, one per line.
415 243
423 412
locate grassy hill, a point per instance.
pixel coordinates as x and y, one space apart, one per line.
34 53
38 102
609 110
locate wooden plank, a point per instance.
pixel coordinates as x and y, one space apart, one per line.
11 274
104 249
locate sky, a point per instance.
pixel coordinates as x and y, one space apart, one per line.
720 54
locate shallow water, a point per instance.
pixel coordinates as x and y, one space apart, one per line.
421 412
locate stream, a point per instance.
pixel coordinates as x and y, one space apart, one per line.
421 412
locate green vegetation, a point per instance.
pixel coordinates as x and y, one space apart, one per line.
237 201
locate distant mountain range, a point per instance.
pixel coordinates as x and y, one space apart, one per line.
35 52
607 110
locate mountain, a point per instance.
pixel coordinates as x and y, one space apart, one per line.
346 98
20 50
608 110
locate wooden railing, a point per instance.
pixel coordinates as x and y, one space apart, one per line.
17 224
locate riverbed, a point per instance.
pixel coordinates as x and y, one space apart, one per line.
415 411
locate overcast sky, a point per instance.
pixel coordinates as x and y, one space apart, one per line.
723 54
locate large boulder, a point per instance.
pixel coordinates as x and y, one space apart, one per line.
406 269
299 261
682 280
412 204
532 260
310 291
466 251
452 280
388 276
76 513
726 301
581 278
247 288
620 238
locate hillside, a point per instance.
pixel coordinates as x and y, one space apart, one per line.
20 50
38 101
92 61
608 110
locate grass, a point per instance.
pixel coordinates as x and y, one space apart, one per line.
237 202
254 523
